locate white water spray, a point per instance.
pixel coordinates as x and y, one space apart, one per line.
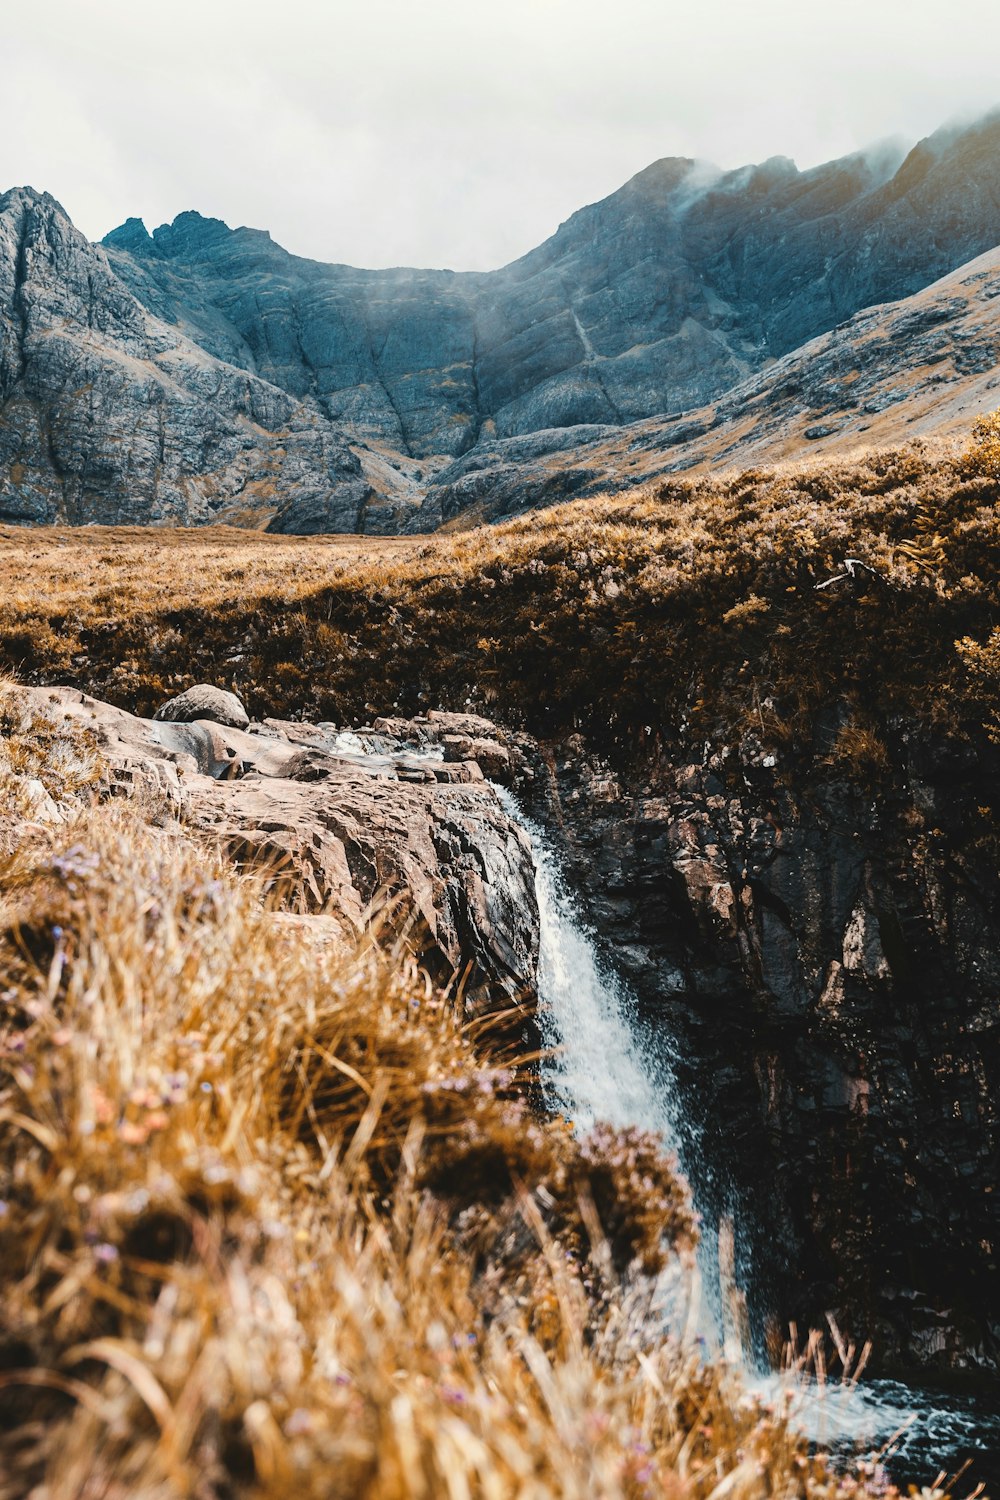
605 1066
597 1071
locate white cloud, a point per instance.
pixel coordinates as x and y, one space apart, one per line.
453 132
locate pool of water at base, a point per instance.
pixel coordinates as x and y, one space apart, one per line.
914 1432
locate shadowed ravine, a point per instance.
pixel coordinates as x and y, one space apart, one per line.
606 1064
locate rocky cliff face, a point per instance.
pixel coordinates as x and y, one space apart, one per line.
925 366
829 959
108 414
202 373
656 299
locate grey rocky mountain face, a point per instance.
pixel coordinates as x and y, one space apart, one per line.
202 373
927 365
108 414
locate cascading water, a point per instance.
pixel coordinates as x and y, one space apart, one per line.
608 1064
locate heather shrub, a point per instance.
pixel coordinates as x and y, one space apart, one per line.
983 454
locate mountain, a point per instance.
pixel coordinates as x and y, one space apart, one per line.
201 372
109 414
921 367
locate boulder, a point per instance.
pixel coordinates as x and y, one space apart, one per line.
204 702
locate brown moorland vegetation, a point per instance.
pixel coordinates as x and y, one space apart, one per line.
271 1220
697 608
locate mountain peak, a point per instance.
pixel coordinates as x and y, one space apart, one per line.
189 232
29 197
132 236
663 175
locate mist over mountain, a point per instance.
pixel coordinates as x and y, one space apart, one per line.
202 372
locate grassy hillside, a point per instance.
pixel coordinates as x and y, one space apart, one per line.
271 1220
692 609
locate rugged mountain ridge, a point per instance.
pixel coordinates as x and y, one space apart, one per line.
922 367
202 373
109 414
659 297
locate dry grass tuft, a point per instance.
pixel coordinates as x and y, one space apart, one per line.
862 755
41 764
273 1222
983 455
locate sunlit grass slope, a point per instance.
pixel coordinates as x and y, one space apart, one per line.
692 608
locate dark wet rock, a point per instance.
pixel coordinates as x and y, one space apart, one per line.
203 701
830 963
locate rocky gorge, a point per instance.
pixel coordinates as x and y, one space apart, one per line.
828 960
824 959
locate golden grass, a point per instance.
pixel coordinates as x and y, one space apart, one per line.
274 1222
983 456
689 609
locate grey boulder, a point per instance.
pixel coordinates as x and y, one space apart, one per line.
204 702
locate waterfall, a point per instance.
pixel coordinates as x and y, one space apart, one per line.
606 1063
609 1064
598 1070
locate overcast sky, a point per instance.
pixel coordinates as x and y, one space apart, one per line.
453 132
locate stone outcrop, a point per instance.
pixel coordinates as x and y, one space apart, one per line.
362 834
203 701
922 367
829 960
203 374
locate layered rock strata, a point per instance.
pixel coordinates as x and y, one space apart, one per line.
366 835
